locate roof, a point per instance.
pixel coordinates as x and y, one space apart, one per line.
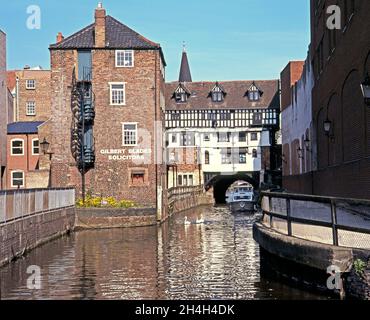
24 127
117 35
235 97
185 74
11 80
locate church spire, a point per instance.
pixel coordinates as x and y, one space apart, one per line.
185 74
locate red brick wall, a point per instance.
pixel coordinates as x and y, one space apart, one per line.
143 89
288 77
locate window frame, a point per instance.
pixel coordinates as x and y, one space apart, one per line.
117 52
33 147
27 108
252 135
28 87
123 134
11 147
12 179
111 84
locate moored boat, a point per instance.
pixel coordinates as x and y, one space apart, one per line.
240 197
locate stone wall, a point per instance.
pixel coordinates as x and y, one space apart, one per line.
190 201
19 236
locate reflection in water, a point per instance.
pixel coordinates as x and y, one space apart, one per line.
215 260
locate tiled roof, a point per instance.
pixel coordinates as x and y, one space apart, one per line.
235 97
118 36
185 74
24 127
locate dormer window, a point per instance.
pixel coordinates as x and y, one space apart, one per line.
181 94
253 93
217 93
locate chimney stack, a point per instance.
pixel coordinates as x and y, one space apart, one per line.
60 37
100 15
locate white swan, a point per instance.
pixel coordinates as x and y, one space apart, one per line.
186 221
201 220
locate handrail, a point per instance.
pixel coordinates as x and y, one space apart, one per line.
331 201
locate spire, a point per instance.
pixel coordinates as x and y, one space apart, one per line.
185 75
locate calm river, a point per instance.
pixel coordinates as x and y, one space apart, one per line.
215 260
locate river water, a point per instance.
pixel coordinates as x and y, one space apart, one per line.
215 260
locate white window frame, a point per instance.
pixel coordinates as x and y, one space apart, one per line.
11 178
27 108
28 81
123 52
111 92
11 147
123 134
33 147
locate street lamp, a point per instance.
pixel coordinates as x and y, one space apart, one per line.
307 143
45 145
300 153
327 126
365 88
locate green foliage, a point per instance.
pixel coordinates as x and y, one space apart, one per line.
101 202
359 266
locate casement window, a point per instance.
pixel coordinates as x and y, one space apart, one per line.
206 157
226 156
17 179
124 58
31 108
253 93
207 137
185 180
117 93
254 153
129 134
242 136
35 147
187 139
30 84
254 136
17 147
223 136
242 155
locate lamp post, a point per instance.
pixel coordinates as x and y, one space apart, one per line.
307 143
365 88
327 126
300 153
45 145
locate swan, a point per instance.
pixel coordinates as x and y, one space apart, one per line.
201 220
186 221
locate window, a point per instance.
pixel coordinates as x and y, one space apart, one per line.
206 157
137 178
257 119
129 134
181 95
223 136
17 179
254 136
185 180
17 147
174 138
253 93
35 147
30 84
254 153
84 65
125 58
226 156
117 93
31 108
217 97
187 139
179 180
242 136
242 155
207 137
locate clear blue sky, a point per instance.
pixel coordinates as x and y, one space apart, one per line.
226 40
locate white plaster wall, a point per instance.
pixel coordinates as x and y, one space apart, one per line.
297 117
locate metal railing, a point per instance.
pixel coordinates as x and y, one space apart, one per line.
180 192
330 220
16 204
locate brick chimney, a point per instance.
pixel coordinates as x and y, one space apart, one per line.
60 37
100 26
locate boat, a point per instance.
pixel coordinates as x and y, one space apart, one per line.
240 197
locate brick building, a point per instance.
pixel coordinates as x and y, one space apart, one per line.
23 157
30 88
6 109
340 60
123 74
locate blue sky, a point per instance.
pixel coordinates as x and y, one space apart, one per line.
226 40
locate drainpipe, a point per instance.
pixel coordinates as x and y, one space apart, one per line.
16 111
